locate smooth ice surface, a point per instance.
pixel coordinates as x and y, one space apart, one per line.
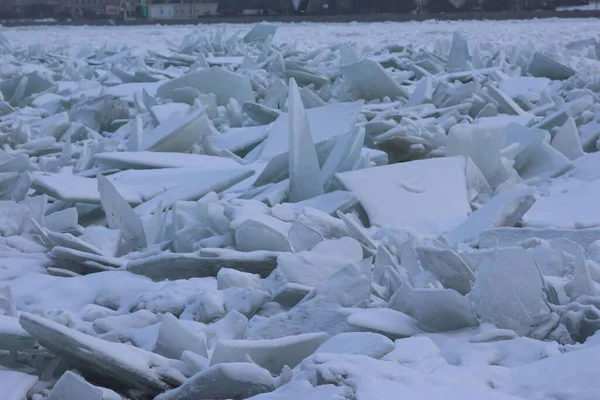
416 188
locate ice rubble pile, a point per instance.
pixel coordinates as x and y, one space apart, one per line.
236 218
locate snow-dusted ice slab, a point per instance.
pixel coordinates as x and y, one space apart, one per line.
78 189
204 182
72 386
116 364
409 194
15 385
504 209
223 83
571 210
271 354
148 159
207 262
224 381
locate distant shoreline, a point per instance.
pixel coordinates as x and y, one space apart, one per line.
467 15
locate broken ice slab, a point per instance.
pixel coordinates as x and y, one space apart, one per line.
543 66
447 267
505 237
260 113
76 189
126 91
13 217
525 87
203 183
329 203
21 89
174 338
206 262
309 268
162 112
508 290
16 385
260 32
262 232
305 76
223 83
364 343
436 310
504 209
385 321
291 294
325 123
224 381
544 163
114 365
368 80
416 187
177 133
301 389
522 142
72 386
97 113
120 215
506 103
271 354
568 210
12 336
501 121
149 159
571 109
239 139
469 140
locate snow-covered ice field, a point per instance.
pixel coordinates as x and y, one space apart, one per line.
301 211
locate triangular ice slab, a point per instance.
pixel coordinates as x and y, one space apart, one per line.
368 80
325 123
177 133
304 169
408 194
120 215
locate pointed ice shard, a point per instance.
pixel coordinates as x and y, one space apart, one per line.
136 136
120 215
568 141
305 172
459 57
